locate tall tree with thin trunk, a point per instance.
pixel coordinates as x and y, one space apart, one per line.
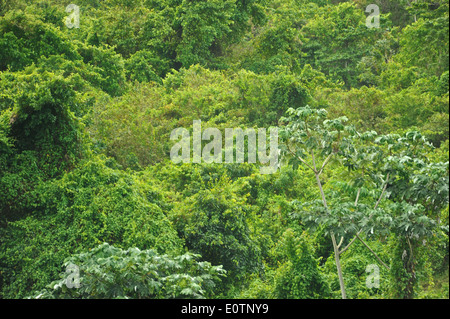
372 194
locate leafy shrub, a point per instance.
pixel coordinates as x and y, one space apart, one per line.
298 276
110 272
88 206
41 132
214 223
109 65
26 37
143 66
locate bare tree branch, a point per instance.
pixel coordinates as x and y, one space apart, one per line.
383 191
346 247
357 196
300 159
376 256
325 163
340 242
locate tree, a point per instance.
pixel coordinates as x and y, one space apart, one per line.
214 223
374 165
336 39
432 36
298 277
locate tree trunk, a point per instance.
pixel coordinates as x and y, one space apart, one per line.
333 239
338 266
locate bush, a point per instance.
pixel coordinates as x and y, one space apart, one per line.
25 37
110 272
214 223
86 207
298 277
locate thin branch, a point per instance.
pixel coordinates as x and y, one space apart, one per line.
411 256
314 161
382 192
346 247
357 235
367 246
333 238
325 162
340 242
376 205
357 196
319 183
356 203
300 159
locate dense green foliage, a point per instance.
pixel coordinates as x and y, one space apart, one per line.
109 272
86 180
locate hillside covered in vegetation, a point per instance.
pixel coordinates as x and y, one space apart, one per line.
92 206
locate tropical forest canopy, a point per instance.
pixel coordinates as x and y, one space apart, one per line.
89 96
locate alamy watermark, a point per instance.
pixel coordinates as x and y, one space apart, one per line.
73 20
212 152
73 278
373 279
373 19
